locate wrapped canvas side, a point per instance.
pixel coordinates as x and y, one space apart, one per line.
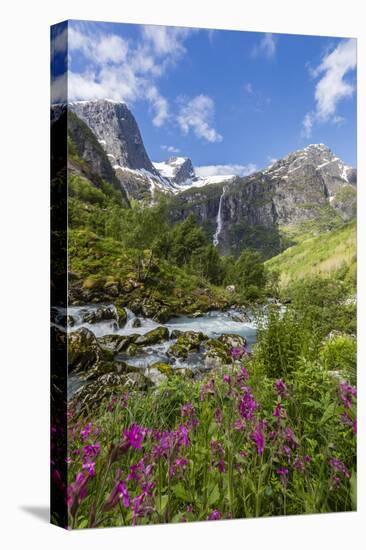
58 282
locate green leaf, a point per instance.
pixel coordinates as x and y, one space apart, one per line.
161 504
180 492
83 523
268 491
214 495
328 414
353 483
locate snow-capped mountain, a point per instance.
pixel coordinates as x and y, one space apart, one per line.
309 188
319 157
178 170
117 131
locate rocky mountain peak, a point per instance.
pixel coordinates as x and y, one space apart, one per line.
316 157
179 170
117 131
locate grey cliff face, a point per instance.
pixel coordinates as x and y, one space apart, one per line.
117 131
295 189
179 170
184 172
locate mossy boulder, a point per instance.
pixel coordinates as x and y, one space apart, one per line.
163 314
155 376
217 353
155 336
196 314
83 350
93 283
101 313
114 342
121 316
90 396
111 287
164 368
187 342
232 341
132 349
175 333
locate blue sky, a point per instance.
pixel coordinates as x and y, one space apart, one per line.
230 100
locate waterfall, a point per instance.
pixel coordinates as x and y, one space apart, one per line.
218 221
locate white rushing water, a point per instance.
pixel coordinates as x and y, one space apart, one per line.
218 220
212 324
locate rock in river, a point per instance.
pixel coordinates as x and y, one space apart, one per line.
90 396
154 336
186 342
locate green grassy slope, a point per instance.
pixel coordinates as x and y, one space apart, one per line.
329 253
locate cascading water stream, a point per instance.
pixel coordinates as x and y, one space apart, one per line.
218 220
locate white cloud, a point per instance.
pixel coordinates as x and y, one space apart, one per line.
166 40
98 49
59 42
248 87
170 148
332 87
225 170
271 160
121 69
266 47
59 89
159 105
307 124
196 115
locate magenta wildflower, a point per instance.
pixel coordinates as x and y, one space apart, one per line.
142 504
207 389
258 438
86 431
239 425
243 376
277 413
76 492
282 471
183 435
237 353
335 482
91 450
119 494
140 471
218 416
299 464
338 466
134 436
348 392
281 388
90 468
218 453
215 515
112 404
248 404
178 467
187 410
290 437
227 378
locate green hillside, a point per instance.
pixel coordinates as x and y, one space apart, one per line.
329 253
